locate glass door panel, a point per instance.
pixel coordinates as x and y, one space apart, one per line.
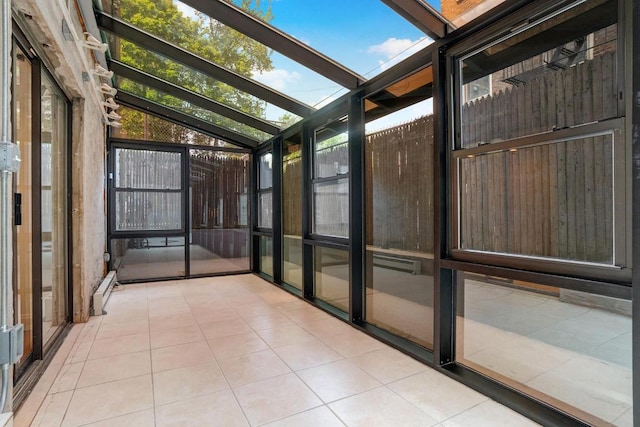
23 261
53 187
219 237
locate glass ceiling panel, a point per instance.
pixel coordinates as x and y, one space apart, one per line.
160 66
178 104
142 126
365 36
195 32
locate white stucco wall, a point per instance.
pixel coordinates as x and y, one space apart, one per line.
66 60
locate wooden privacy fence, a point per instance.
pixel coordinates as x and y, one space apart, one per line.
550 200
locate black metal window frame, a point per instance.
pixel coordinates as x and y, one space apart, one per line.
141 146
618 270
331 240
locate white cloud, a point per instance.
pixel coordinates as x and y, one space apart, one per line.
394 50
277 78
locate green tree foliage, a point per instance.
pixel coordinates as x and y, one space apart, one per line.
204 37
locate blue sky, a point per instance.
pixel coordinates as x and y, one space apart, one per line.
363 35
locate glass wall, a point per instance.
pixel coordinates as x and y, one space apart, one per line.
399 210
53 192
266 255
23 136
331 180
538 141
292 211
331 268
568 348
219 240
144 258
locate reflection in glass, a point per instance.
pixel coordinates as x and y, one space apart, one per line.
54 208
570 349
331 151
331 208
292 212
146 127
148 187
149 257
265 213
266 255
568 83
551 200
23 136
265 169
332 276
399 225
219 211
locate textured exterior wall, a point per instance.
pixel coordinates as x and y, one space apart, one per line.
66 60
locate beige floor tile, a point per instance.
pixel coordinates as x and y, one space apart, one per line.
137 419
387 365
489 414
110 330
275 398
236 345
307 354
118 345
125 315
307 314
287 335
259 308
212 410
113 368
600 388
207 314
438 396
268 321
316 417
183 335
172 321
352 343
90 329
104 401
79 352
253 367
52 410
224 328
326 327
177 356
67 378
337 380
185 383
380 407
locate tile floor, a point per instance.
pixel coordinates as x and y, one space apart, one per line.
237 351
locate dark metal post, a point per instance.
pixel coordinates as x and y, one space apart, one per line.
443 279
356 209
307 250
635 177
254 249
276 194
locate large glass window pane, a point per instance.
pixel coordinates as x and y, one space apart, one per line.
399 208
148 186
265 195
266 171
331 151
567 348
332 276
399 226
549 200
219 211
23 137
331 208
53 152
292 212
149 257
266 255
265 212
557 74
